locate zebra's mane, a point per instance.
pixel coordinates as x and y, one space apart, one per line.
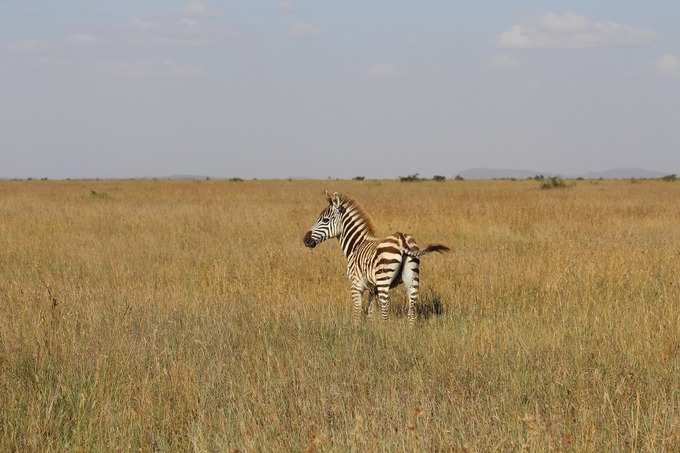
352 205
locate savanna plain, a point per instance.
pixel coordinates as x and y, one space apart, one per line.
188 316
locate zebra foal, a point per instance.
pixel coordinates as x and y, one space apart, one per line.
373 264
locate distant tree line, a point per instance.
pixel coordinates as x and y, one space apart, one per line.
415 177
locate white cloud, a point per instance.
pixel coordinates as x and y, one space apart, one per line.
196 7
286 6
571 31
148 69
30 47
382 71
188 23
82 39
303 30
171 31
504 61
145 24
200 8
668 65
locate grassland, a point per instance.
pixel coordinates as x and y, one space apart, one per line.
187 316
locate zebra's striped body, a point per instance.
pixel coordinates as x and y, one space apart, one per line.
373 264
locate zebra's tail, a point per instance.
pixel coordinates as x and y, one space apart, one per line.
417 253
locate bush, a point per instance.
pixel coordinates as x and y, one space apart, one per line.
99 195
410 178
670 178
359 178
459 178
439 178
431 304
236 179
553 182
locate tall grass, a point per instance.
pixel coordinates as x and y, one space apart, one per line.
188 316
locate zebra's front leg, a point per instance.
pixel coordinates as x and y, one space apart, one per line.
357 292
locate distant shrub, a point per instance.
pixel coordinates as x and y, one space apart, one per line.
410 178
439 178
553 182
431 304
207 178
459 178
580 178
670 178
236 179
99 195
538 178
359 178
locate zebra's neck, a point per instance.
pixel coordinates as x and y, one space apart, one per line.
355 228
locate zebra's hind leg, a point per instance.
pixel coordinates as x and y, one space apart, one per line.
370 309
411 276
384 299
357 292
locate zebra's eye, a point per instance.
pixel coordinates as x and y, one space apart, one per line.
324 220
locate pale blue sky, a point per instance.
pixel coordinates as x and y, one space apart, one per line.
317 89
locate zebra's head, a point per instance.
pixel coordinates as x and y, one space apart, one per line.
329 223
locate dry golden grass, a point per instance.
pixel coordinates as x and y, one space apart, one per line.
188 316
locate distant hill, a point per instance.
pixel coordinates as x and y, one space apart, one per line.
186 177
624 173
495 173
613 173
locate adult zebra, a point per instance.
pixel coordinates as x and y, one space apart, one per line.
373 264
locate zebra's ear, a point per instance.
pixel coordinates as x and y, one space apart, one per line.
328 196
335 199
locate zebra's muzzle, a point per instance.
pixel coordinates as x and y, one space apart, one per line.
309 242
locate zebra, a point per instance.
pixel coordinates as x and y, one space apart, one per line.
373 264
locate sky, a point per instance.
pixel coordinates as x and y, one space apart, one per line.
306 88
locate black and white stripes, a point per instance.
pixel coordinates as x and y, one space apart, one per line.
373 264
